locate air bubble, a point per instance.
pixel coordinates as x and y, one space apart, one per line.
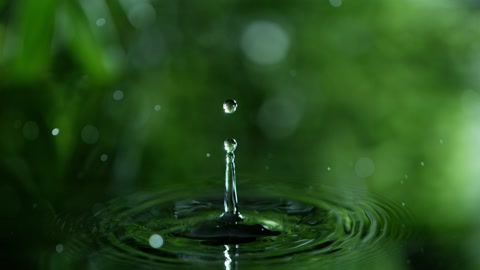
229 106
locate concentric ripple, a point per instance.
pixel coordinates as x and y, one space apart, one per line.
322 227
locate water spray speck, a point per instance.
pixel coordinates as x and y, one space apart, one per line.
59 248
155 241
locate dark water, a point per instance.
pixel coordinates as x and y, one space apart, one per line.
315 227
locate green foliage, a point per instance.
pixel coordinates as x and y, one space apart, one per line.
375 79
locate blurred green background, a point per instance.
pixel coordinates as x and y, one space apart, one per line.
101 98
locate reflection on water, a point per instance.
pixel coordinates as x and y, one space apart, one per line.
318 227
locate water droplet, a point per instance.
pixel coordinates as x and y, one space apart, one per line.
207 155
104 157
155 241
90 134
59 248
422 163
100 22
157 107
335 3
441 141
401 182
30 130
229 106
230 145
118 95
406 176
55 131
403 203
328 169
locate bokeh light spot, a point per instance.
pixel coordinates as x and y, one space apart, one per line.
336 3
265 42
142 15
364 167
118 95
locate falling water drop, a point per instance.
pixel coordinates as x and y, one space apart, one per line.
229 106
230 145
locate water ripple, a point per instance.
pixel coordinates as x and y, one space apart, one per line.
322 227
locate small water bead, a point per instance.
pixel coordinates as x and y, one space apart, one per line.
55 131
59 248
229 106
155 241
230 145
100 22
